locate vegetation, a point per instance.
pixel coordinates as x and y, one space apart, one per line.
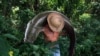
14 15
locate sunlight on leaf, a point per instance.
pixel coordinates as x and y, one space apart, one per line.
85 16
14 9
10 53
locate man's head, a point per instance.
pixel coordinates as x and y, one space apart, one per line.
55 22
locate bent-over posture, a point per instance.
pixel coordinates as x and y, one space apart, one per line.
51 23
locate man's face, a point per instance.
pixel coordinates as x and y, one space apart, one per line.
50 35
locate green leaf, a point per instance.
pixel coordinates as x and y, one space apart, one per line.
4 47
10 36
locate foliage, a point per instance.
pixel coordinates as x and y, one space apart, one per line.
14 15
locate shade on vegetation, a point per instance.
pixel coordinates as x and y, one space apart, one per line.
83 14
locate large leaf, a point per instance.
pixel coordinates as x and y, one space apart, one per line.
4 47
10 36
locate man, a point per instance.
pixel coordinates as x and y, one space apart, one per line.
52 30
